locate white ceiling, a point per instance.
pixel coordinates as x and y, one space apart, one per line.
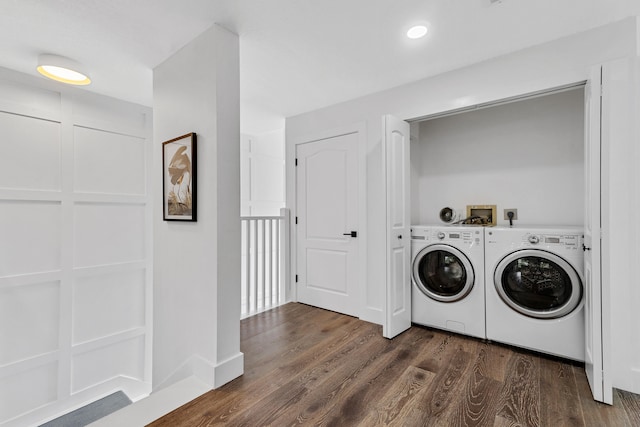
296 55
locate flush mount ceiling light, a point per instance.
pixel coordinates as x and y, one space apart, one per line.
63 70
417 32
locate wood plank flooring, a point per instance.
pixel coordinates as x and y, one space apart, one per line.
308 366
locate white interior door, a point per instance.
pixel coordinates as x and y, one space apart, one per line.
595 351
327 223
396 138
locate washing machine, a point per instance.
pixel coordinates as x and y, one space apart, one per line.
447 289
534 289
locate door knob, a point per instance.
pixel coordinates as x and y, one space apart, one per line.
352 234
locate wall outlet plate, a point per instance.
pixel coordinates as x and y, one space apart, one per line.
506 213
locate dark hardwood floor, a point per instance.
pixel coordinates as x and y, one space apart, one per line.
309 366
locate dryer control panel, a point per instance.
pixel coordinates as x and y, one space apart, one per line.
568 241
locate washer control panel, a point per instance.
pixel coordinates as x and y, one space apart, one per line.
467 237
456 236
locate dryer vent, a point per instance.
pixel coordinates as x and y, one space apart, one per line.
448 215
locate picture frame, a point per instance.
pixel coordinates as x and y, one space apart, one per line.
179 172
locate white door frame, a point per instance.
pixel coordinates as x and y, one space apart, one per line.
358 128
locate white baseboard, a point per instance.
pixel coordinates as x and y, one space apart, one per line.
372 315
193 378
228 370
213 375
133 388
156 405
629 381
171 395
195 366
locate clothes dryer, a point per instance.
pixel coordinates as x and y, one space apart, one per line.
534 291
448 278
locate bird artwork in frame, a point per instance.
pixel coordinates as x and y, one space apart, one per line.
179 178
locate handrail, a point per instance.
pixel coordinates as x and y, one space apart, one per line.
262 217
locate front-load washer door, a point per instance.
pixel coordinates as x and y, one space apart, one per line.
443 273
538 284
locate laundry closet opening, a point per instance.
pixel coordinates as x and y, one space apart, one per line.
525 154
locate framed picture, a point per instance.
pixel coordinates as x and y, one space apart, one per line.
179 178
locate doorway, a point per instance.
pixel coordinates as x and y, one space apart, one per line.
327 223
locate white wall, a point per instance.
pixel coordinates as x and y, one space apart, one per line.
527 155
262 173
197 264
558 63
75 248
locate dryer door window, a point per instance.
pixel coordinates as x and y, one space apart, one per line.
538 284
443 273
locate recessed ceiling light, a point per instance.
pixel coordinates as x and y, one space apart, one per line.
63 70
417 32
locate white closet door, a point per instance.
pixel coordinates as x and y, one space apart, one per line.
396 136
596 311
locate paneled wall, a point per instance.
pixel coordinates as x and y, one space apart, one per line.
75 249
262 173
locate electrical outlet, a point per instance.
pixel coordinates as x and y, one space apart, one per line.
506 213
